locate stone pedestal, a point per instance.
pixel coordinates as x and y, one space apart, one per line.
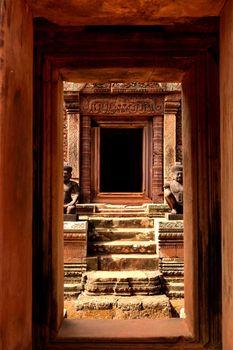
170 239
75 251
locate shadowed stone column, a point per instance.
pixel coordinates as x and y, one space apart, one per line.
172 105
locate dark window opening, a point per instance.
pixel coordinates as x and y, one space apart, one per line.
121 160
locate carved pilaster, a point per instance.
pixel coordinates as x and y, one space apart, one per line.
179 157
85 164
172 107
72 135
157 160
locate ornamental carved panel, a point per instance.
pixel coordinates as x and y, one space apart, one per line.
122 105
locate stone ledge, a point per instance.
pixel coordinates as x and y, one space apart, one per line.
122 283
127 307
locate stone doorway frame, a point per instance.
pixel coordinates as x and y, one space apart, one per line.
194 63
140 197
122 109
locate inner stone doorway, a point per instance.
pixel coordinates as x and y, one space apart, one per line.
121 156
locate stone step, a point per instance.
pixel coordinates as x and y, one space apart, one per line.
123 247
175 294
115 233
122 283
121 213
174 279
72 289
133 307
175 286
121 222
174 289
113 262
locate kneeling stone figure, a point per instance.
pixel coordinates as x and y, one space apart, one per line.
173 190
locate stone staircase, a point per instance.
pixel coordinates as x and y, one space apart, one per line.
123 243
122 261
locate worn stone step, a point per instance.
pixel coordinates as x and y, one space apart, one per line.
122 222
175 294
121 210
175 286
123 247
115 233
156 306
72 289
113 262
174 289
173 279
122 283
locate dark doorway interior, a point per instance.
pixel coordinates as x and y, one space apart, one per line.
121 160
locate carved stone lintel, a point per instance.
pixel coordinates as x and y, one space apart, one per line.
122 105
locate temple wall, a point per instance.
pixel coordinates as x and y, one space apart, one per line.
226 91
15 175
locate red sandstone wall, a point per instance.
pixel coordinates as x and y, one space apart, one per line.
15 175
226 90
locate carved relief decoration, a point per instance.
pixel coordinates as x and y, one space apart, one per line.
179 136
75 226
121 105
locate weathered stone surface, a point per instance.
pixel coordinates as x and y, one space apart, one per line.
170 237
122 282
137 222
173 277
124 247
75 241
111 234
72 290
75 252
76 227
73 272
93 303
122 105
128 262
133 307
